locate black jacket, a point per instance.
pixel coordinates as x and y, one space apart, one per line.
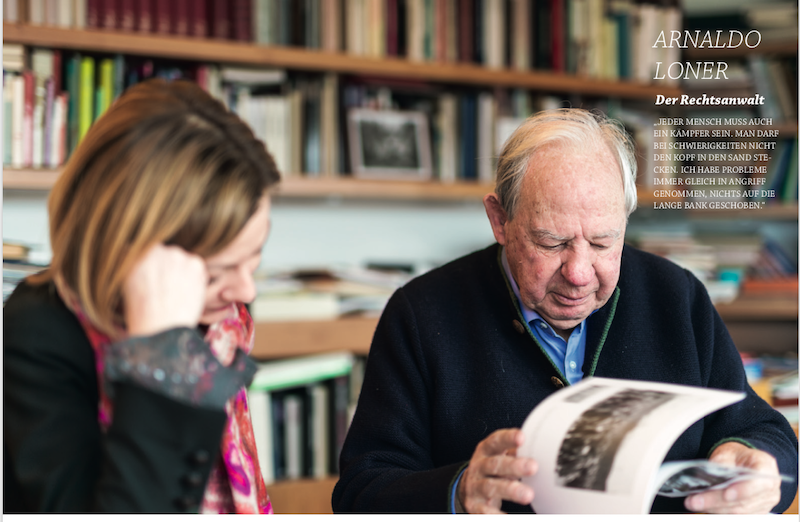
155 457
451 362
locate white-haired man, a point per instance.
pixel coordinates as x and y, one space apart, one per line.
462 354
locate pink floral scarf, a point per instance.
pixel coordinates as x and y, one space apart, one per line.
235 484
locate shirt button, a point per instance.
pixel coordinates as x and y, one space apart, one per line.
542 325
572 365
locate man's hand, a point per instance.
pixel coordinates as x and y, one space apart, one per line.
493 474
166 289
748 496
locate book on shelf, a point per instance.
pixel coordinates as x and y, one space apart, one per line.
601 444
299 408
585 37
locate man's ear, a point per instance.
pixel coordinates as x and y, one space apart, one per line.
497 217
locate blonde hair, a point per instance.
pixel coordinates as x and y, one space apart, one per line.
577 127
166 164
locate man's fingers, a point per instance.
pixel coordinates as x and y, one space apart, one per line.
749 496
505 466
501 441
495 490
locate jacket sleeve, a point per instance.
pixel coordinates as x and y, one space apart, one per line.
155 457
386 463
751 421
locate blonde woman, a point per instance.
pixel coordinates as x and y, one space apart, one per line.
125 362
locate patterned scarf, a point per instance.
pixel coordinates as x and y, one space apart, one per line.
235 484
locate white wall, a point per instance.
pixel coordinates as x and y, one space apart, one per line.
319 233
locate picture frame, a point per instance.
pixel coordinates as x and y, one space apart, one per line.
389 144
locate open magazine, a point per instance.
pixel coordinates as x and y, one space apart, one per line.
600 445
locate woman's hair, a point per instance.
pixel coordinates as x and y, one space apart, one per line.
578 128
166 163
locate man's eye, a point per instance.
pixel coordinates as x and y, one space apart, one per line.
212 279
552 247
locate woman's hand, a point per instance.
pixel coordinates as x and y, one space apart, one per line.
165 290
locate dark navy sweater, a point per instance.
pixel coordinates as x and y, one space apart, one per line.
451 362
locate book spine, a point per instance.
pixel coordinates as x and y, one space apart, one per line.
8 111
108 14
240 20
143 16
79 14
86 103
49 108
179 17
27 121
126 16
220 19
198 18
17 121
59 138
106 84
93 14
161 17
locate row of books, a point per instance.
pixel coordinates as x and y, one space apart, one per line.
773 77
301 409
599 38
53 97
324 294
729 265
226 19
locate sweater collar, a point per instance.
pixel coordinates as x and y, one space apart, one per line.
598 324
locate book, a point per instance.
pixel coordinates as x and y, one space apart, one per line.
86 101
600 446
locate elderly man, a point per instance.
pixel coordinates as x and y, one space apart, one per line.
462 354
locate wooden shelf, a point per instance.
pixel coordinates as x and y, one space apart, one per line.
296 338
224 51
29 179
304 187
302 496
759 309
354 334
788 47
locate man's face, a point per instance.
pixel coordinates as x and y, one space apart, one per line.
564 245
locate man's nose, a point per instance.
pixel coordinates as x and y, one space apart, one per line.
578 266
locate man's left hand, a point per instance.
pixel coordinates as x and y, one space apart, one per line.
757 495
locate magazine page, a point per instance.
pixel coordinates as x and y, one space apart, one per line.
684 478
600 442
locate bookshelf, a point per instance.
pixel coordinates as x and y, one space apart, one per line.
304 187
209 50
353 334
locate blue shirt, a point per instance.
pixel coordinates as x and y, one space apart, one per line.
566 355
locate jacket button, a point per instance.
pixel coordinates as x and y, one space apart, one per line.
186 502
518 326
194 479
200 457
556 382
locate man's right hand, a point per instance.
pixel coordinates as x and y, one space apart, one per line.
494 473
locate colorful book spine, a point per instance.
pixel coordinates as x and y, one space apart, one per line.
17 121
106 85
86 102
27 118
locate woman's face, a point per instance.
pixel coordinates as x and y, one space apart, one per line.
230 271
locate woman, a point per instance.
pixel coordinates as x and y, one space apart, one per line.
124 362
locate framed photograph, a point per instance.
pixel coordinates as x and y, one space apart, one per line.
389 144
